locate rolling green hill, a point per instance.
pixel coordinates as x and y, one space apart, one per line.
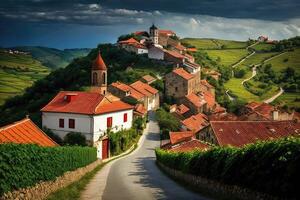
53 58
76 76
281 56
19 71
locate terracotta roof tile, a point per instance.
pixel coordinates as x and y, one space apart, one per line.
175 54
25 132
144 88
181 109
196 100
140 109
240 133
83 103
98 63
196 122
129 41
206 84
184 74
166 32
263 109
190 146
148 78
209 98
177 137
192 49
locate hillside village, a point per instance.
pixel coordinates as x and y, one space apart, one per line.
107 107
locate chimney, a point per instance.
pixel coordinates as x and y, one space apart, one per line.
70 97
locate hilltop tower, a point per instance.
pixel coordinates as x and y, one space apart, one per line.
99 75
154 34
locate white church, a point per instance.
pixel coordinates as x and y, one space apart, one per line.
90 113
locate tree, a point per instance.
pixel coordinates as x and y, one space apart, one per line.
73 138
239 73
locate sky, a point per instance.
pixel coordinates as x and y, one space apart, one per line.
86 23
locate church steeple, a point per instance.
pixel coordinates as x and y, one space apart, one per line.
154 34
99 75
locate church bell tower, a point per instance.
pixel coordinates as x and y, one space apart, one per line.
154 34
99 75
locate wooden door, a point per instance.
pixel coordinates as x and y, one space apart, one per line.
105 148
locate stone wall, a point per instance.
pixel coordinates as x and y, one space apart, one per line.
214 188
43 189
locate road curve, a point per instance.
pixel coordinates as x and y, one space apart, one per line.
254 72
137 176
270 100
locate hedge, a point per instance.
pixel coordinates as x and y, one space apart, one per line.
24 165
268 167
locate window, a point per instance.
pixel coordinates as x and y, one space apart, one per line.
95 79
61 123
125 117
71 123
109 122
176 89
104 78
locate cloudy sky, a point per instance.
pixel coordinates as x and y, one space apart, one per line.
85 23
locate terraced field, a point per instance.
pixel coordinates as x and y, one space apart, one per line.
257 58
18 72
227 57
291 99
289 59
206 43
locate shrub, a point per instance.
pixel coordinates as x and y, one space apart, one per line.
167 121
75 139
270 167
24 165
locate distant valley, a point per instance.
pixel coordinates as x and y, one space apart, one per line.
21 66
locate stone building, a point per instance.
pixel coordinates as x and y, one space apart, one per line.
180 83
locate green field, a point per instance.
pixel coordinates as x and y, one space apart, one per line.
291 99
262 47
18 72
227 57
288 59
207 43
257 58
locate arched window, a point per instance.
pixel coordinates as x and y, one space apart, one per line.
104 78
95 79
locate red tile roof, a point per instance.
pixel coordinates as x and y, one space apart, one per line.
263 109
180 47
144 88
206 84
209 98
84 103
126 88
195 100
190 146
240 133
140 109
129 41
181 109
192 49
166 32
184 74
222 117
175 54
25 132
196 122
177 137
98 63
148 78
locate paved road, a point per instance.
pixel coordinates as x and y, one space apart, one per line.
137 176
270 100
254 72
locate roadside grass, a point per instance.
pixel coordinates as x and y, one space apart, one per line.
263 47
290 99
73 191
18 72
227 57
289 59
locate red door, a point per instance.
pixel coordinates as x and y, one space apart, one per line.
105 148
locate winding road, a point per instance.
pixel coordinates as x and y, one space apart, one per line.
270 100
136 176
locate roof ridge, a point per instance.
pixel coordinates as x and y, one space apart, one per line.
13 124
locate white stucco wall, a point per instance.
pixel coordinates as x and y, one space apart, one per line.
142 51
92 126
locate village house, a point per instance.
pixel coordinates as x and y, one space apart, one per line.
180 111
132 45
195 123
184 141
263 111
90 113
240 133
148 79
25 132
179 83
138 92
